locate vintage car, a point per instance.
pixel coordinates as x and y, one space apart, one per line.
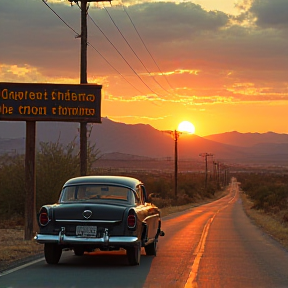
100 212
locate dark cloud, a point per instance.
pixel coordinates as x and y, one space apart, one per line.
171 21
32 34
270 13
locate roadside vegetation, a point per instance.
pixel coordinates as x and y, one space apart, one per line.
56 163
267 192
265 198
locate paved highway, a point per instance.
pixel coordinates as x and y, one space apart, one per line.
214 245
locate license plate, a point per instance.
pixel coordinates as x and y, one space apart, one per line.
86 231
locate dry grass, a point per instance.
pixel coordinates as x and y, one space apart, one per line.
271 224
13 248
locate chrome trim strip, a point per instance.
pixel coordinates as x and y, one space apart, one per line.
61 235
87 214
105 240
152 216
89 221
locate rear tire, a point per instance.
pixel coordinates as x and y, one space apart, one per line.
78 251
52 253
134 254
150 249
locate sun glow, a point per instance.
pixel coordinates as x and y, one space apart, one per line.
187 127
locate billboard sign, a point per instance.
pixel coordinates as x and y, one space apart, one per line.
50 102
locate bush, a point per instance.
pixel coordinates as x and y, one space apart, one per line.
12 185
55 164
269 192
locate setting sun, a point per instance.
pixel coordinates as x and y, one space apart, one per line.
186 126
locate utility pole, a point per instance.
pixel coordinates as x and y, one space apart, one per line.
225 174
176 137
206 155
83 80
175 134
217 173
30 181
222 174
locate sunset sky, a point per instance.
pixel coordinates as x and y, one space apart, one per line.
222 65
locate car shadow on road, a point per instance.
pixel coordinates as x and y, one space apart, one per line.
97 259
100 269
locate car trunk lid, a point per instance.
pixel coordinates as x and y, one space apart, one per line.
87 211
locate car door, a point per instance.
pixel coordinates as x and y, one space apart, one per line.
152 214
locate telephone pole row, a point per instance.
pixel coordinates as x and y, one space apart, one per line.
206 155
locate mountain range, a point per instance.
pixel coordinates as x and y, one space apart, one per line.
141 140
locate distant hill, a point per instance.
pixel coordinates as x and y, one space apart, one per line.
114 139
248 139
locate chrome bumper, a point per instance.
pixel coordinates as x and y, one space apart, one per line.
105 240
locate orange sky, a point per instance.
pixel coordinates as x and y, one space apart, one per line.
222 66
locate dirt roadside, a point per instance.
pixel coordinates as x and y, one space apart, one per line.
15 251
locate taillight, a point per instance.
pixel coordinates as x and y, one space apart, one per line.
132 219
43 217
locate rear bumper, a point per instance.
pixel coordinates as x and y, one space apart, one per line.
105 240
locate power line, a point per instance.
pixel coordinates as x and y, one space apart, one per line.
114 68
133 49
146 46
77 34
135 72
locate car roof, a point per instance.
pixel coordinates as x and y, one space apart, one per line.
114 180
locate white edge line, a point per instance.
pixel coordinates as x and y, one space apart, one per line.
21 267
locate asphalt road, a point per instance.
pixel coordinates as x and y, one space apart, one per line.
214 245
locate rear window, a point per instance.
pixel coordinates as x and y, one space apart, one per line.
94 192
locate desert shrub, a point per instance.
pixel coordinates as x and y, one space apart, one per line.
162 203
191 188
193 185
55 164
285 216
183 199
12 185
269 192
189 185
260 196
158 186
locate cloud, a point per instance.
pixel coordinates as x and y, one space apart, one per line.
270 13
36 35
204 54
